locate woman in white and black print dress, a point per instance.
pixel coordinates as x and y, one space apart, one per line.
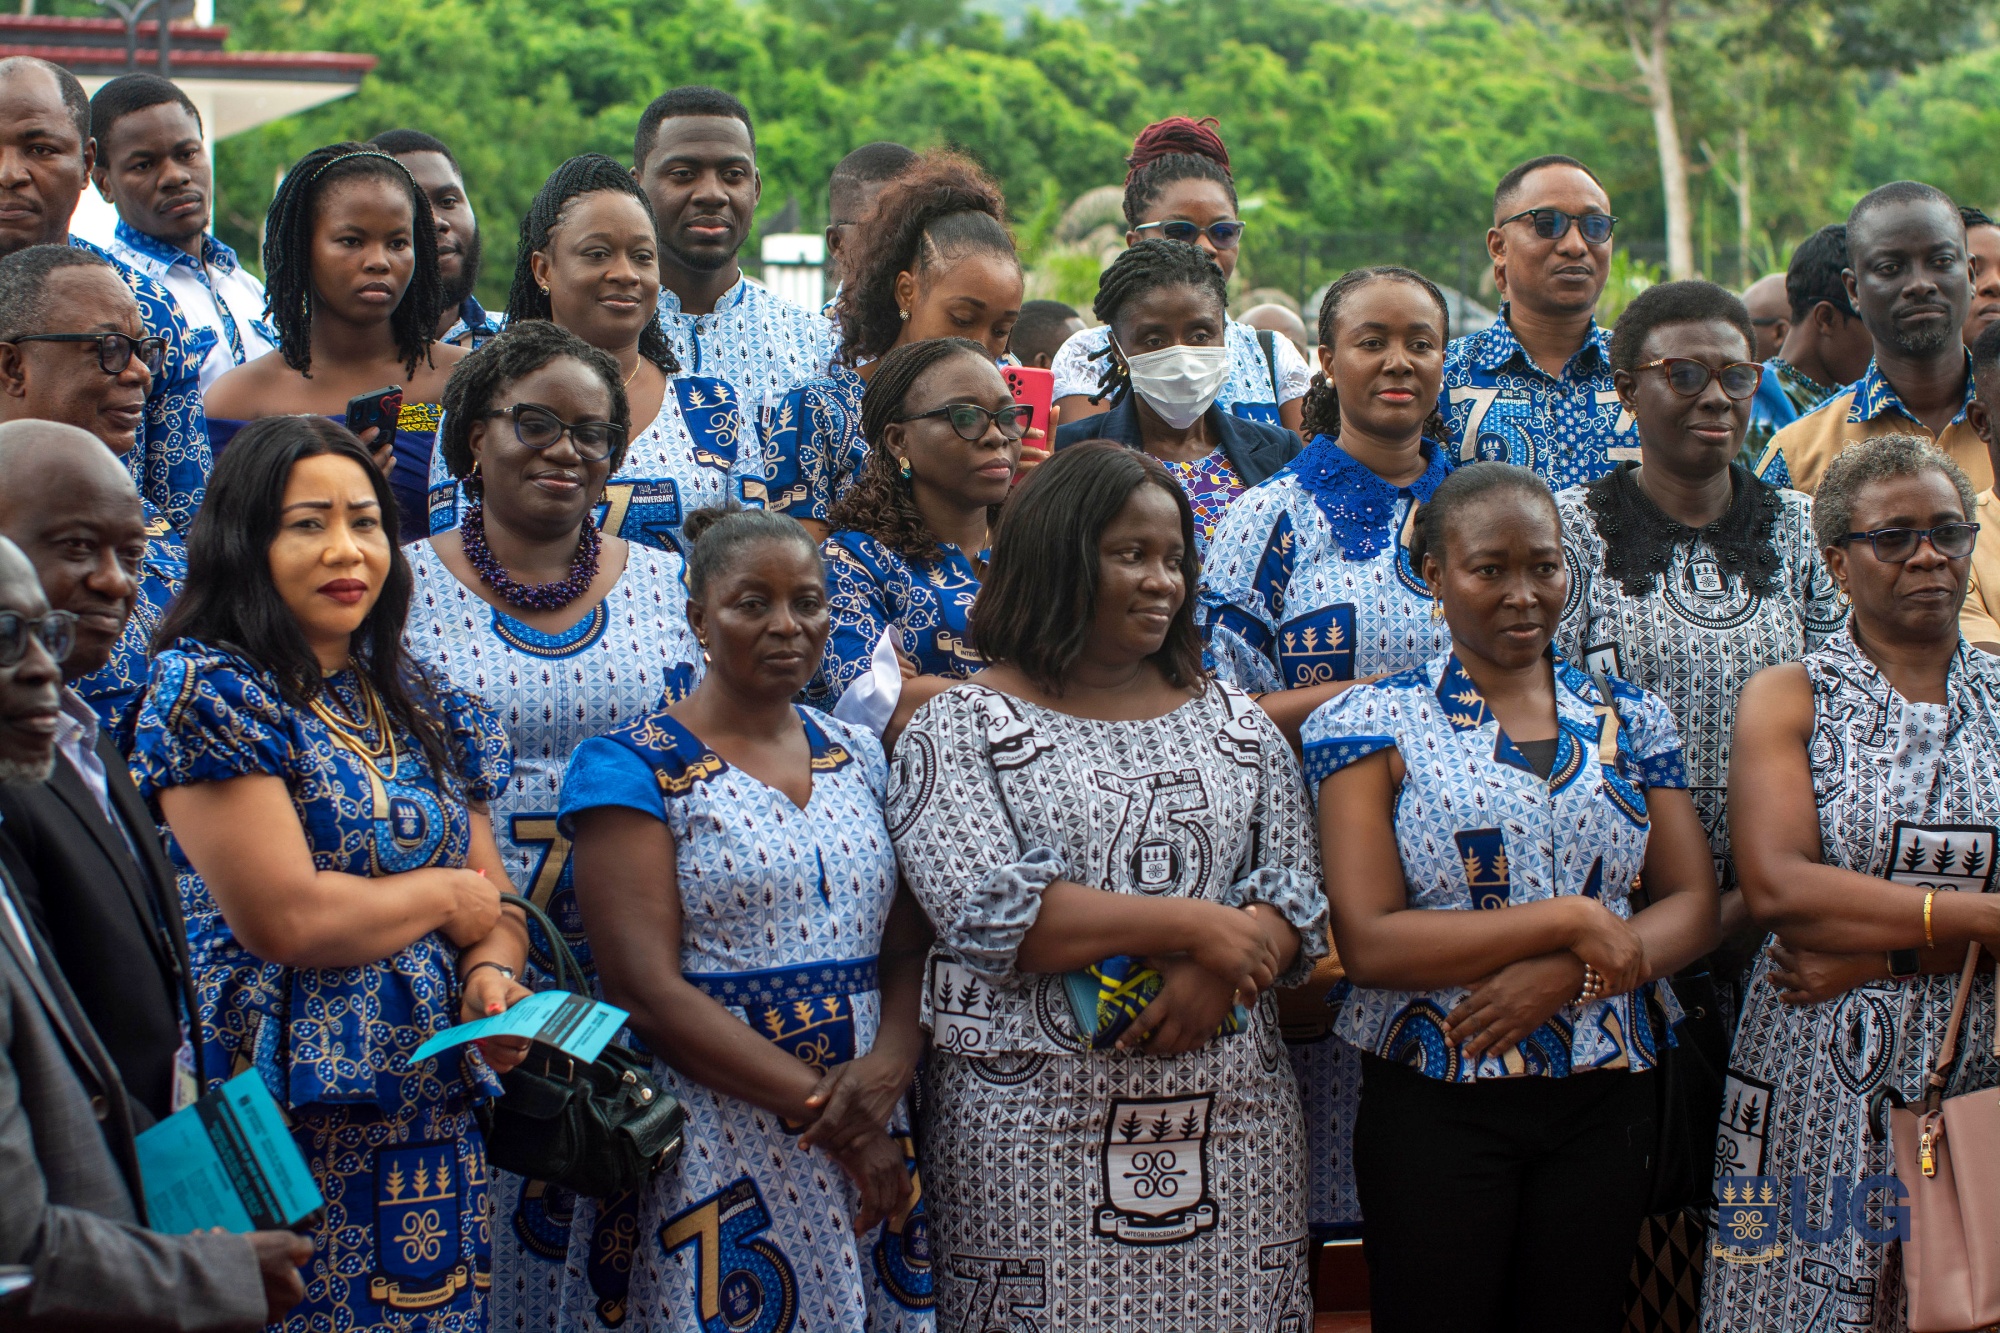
1093 795
1865 787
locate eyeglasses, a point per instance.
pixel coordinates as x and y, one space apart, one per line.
56 630
1552 224
1223 235
970 420
1893 546
1688 377
114 350
539 428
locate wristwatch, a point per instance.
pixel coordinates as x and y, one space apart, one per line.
508 972
1904 964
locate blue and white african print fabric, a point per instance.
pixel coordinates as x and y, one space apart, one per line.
171 460
1246 393
757 340
391 1144
695 454
619 661
1309 579
813 449
1074 1188
871 590
475 326
1499 405
221 302
113 689
782 911
1478 829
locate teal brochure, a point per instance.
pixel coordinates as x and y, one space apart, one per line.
572 1024
227 1161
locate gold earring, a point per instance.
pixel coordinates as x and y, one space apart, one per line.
1844 599
903 313
1437 609
905 469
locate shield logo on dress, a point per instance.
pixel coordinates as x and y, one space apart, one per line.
1746 1221
1155 1167
417 1203
1705 576
409 829
1943 856
407 824
1155 864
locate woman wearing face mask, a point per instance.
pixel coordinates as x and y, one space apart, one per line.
1166 306
1179 188
589 262
934 261
910 537
352 280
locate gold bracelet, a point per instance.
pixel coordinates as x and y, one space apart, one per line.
1930 942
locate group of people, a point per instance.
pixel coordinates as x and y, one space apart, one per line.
1260 803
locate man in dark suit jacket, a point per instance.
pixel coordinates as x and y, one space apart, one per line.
70 1209
83 848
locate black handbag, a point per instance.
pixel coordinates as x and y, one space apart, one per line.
596 1128
1690 1095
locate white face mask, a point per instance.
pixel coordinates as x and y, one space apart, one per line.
1179 382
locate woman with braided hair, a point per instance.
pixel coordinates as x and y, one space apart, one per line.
910 536
1179 188
934 261
351 281
589 262
1309 585
1164 306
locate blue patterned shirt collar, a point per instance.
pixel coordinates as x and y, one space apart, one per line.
1497 347
472 319
739 291
1874 395
214 254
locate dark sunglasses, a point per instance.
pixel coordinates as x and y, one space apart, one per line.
56 630
970 420
1551 224
1223 235
114 350
1893 546
539 428
1687 377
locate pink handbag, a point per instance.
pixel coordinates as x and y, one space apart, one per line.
1948 1159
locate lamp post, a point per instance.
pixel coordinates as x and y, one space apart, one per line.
131 14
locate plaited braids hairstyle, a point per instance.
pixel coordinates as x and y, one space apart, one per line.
1322 405
522 348
587 173
1174 149
288 235
1147 267
937 210
882 502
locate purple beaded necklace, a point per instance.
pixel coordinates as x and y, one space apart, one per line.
528 596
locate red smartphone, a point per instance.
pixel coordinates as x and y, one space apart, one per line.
1035 387
377 407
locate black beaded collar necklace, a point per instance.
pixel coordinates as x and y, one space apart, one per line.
1639 538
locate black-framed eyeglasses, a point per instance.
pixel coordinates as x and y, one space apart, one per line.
1953 541
539 428
56 630
970 420
1552 224
1223 235
1688 377
114 350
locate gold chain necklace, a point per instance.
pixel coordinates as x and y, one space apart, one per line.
349 737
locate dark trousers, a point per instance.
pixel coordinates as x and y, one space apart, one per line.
1504 1205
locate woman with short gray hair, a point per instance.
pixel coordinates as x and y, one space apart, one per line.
1865 783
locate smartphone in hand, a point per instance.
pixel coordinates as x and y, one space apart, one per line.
377 407
1036 387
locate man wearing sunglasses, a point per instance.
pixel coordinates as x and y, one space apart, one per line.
48 154
1979 619
1908 275
73 349
1536 388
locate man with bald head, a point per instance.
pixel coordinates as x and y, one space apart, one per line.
1770 313
82 846
1908 274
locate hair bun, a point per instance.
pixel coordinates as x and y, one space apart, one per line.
1178 134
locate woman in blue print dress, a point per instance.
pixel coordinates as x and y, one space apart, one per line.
564 634
327 806
935 261
1494 808
589 261
1308 586
910 538
739 891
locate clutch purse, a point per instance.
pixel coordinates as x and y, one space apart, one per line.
1107 997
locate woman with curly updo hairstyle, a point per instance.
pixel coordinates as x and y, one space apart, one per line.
934 260
1179 187
910 536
